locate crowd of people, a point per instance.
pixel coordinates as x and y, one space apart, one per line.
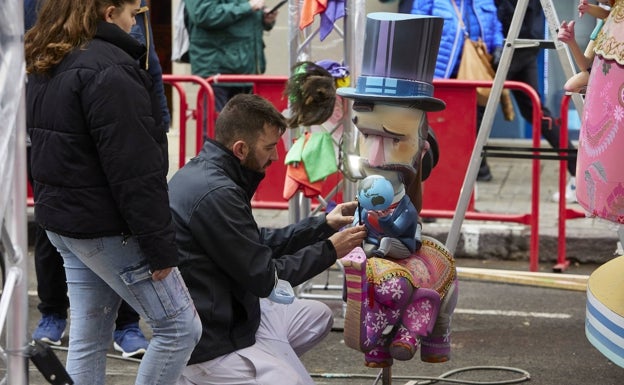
117 242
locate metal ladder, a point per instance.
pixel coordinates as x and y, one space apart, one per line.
511 43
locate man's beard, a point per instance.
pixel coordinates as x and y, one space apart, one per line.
251 162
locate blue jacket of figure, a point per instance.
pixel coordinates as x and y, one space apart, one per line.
400 224
481 22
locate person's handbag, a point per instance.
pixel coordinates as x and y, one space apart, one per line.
476 64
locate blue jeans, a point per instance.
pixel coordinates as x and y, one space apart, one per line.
102 271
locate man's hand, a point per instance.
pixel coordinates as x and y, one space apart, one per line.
341 215
256 4
161 274
566 32
346 240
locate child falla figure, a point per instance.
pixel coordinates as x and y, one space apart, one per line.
402 288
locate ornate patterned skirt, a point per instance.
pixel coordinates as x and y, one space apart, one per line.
600 165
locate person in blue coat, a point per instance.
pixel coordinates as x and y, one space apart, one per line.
49 270
480 20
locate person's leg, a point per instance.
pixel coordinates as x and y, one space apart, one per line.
254 365
126 316
553 135
165 305
128 337
222 95
525 70
291 330
484 174
51 289
308 322
94 305
285 332
51 284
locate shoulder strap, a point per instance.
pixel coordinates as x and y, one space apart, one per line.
459 17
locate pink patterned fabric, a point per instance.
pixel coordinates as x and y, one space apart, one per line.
600 167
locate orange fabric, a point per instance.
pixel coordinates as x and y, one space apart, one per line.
297 178
310 9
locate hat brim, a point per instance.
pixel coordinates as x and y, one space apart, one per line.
425 103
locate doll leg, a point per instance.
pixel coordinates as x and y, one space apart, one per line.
392 248
418 320
379 357
436 347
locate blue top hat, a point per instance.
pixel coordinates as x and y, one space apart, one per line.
400 52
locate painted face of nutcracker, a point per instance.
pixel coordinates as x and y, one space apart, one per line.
391 135
393 94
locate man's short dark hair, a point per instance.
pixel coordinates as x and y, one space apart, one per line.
244 118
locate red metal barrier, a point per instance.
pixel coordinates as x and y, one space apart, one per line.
178 82
455 130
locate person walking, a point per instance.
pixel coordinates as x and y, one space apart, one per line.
226 37
99 164
128 338
523 68
231 265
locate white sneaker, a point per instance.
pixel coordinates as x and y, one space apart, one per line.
570 192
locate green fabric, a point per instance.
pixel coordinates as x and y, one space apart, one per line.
294 154
225 37
319 157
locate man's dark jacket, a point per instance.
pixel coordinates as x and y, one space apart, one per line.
99 151
227 262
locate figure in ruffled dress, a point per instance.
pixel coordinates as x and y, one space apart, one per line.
600 168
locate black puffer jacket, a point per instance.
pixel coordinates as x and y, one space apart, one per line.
99 150
228 262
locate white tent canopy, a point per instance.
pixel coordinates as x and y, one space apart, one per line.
13 191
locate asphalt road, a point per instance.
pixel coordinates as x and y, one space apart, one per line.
531 329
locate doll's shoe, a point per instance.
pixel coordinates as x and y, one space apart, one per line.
435 349
404 345
379 357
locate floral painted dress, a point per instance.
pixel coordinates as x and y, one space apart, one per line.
600 166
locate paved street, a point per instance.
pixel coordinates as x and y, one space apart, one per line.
537 330
532 329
